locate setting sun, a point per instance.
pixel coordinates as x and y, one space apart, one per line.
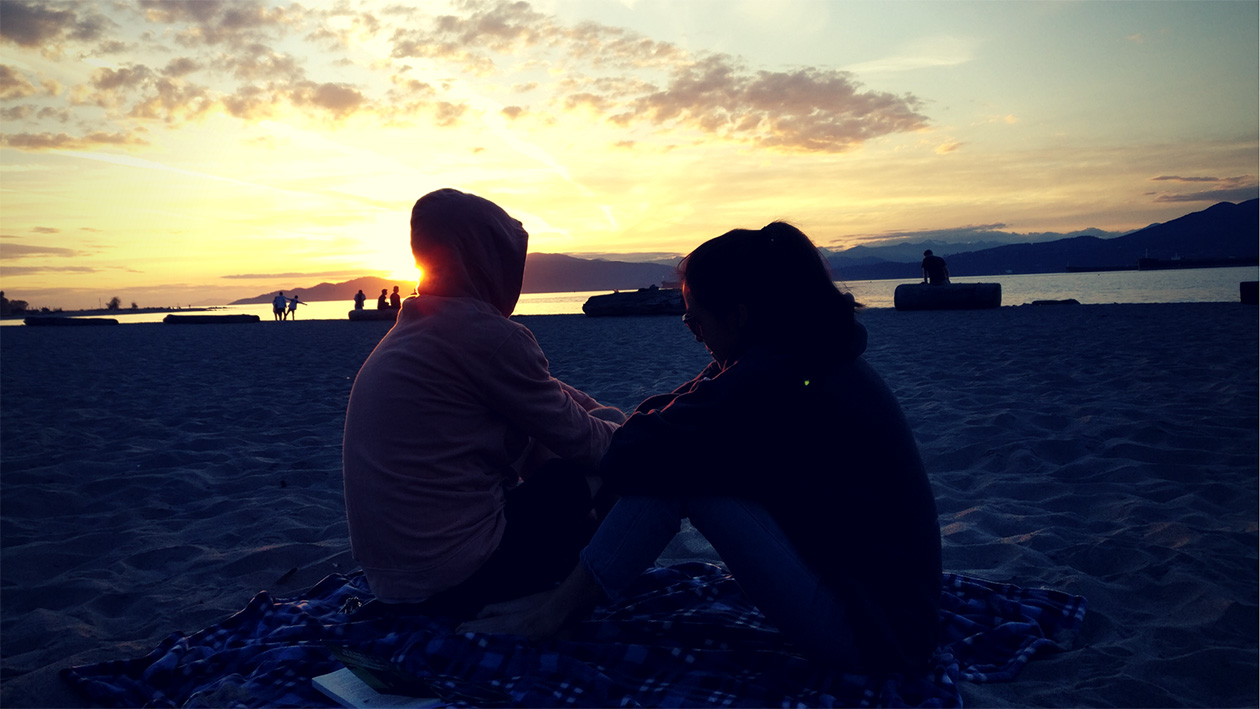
198 152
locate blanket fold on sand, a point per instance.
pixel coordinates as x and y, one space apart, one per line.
686 636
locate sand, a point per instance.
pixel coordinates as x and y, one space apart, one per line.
154 478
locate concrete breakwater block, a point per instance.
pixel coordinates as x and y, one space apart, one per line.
950 296
1249 292
58 321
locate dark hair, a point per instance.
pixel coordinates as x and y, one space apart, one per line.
777 274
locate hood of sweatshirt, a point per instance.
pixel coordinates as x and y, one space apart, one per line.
468 247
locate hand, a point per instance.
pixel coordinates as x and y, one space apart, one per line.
531 616
541 615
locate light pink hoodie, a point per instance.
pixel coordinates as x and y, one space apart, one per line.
446 404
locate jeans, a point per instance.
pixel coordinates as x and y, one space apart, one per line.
548 522
754 548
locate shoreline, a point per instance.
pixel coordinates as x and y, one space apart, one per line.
156 482
95 312
1044 304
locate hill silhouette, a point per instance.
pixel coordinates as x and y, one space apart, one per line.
544 273
557 273
1224 230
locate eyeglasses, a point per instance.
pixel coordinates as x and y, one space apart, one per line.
689 319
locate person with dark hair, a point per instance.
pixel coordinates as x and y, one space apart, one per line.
395 299
359 299
788 453
464 461
934 269
381 302
278 305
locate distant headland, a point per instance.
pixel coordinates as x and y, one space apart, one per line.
1221 235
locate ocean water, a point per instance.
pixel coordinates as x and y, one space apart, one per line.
1168 286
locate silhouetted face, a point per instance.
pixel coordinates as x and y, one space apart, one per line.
722 336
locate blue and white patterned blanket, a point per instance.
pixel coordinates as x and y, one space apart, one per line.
685 637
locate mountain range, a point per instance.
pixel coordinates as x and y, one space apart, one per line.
1224 230
544 273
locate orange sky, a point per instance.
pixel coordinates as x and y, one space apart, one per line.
198 152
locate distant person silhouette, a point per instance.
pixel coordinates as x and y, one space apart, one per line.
395 300
359 299
278 304
934 269
380 301
293 307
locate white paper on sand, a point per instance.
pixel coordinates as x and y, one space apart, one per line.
348 690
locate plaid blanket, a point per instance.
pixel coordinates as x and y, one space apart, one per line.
686 636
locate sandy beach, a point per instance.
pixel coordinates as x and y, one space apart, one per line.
154 478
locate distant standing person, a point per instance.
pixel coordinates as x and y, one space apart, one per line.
293 308
395 300
380 301
359 300
277 305
934 269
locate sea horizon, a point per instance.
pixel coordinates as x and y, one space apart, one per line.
1088 288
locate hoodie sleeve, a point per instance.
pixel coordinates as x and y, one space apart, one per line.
520 388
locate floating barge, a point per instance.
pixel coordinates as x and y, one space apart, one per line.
644 301
210 319
365 315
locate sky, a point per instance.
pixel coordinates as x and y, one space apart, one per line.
197 151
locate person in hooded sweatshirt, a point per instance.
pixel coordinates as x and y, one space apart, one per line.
788 453
465 463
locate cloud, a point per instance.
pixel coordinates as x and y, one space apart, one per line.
807 109
109 82
1231 189
1178 178
14 85
174 101
926 53
11 271
812 110
16 251
1240 194
37 24
257 61
338 99
35 142
980 233
181 66
270 276
46 230
628 81
214 22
